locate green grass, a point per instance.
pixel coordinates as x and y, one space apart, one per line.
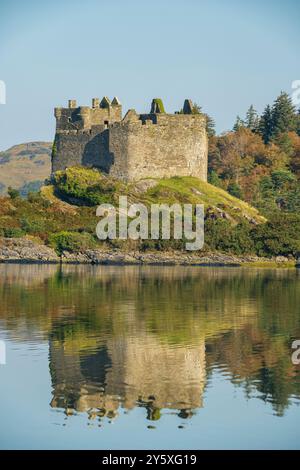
188 189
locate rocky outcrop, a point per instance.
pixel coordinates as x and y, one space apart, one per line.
29 250
26 250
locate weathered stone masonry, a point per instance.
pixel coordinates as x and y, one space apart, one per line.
138 146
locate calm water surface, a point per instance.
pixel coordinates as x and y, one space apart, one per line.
149 357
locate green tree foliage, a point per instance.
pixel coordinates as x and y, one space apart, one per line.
221 235
213 178
235 190
283 115
13 193
280 236
86 185
210 126
298 122
71 241
238 123
249 159
210 123
252 119
265 126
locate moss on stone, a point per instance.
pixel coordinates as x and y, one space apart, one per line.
159 103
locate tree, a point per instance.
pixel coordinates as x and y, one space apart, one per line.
298 122
13 193
210 126
213 178
265 126
279 236
235 190
283 115
210 123
238 123
252 119
295 159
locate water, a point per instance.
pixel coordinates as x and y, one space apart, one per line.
149 357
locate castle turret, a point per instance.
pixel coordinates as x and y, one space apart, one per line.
84 116
72 103
95 102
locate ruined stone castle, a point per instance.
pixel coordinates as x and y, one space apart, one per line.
137 146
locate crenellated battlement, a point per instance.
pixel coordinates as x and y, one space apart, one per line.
139 145
76 117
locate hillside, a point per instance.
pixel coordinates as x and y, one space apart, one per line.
25 166
62 216
81 186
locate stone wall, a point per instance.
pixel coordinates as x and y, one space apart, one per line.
139 146
86 148
159 145
84 117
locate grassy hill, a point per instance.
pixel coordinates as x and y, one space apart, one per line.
81 186
63 216
25 166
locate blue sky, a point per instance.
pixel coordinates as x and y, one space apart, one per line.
223 54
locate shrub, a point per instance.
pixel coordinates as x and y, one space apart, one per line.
235 190
73 242
13 193
159 103
13 232
221 235
280 236
84 184
213 178
34 226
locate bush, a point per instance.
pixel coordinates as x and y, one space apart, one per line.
13 193
84 184
221 235
73 242
213 178
280 236
13 232
36 198
235 190
34 226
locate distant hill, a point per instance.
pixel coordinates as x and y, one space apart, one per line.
25 166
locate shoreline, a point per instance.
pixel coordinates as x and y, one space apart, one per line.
29 251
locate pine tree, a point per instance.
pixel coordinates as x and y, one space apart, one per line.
238 124
210 126
210 123
298 122
252 119
265 126
283 115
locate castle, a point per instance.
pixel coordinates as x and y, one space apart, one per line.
137 146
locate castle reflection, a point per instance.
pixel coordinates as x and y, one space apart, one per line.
151 337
